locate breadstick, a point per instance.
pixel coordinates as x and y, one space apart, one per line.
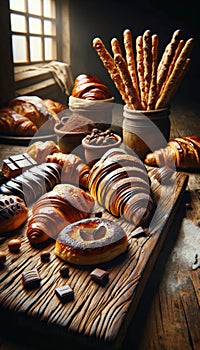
166 60
130 59
153 85
140 69
170 86
147 57
171 67
130 90
115 46
109 64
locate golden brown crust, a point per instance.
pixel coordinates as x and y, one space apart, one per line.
15 124
147 58
91 241
181 152
115 46
140 69
55 210
39 150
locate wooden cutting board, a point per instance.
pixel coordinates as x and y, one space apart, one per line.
98 316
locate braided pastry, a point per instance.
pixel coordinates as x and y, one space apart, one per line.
120 183
55 210
13 213
181 152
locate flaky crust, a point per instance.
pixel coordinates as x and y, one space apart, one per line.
13 213
181 152
56 209
39 150
15 124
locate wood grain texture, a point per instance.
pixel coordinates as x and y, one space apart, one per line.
97 313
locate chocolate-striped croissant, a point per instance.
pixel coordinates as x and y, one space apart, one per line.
74 170
120 183
181 152
56 209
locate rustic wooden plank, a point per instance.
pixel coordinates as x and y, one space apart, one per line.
98 313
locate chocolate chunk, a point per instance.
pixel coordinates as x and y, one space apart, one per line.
100 276
45 256
64 271
14 165
14 245
65 293
31 279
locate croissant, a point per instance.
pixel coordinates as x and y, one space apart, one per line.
13 213
120 183
74 170
39 150
34 182
56 209
15 124
90 88
181 152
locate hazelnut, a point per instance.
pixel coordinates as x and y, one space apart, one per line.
2 258
14 245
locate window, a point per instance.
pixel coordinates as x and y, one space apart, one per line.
34 33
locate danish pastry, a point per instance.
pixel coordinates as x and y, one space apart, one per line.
91 241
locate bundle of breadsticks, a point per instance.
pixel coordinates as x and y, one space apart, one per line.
144 82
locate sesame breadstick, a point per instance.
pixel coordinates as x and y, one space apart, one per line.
140 69
153 85
130 59
115 46
166 60
130 90
109 64
147 58
173 80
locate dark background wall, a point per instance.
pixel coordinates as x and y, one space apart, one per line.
108 19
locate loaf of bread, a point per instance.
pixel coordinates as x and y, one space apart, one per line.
120 183
15 124
74 170
55 210
181 152
90 88
13 213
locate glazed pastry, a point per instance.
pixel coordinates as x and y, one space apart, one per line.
90 88
120 183
181 152
55 210
15 124
39 150
13 213
54 106
74 171
91 241
34 182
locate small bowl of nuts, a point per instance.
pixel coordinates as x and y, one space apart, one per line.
98 142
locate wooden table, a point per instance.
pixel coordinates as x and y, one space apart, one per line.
167 316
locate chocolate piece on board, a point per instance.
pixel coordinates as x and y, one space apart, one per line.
65 293
100 276
31 279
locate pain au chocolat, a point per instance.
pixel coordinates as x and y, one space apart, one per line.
120 183
91 241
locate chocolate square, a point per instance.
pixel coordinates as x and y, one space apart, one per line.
100 276
65 293
31 279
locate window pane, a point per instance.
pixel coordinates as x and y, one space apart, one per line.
35 49
49 8
18 5
18 23
49 28
49 49
35 25
19 48
34 7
